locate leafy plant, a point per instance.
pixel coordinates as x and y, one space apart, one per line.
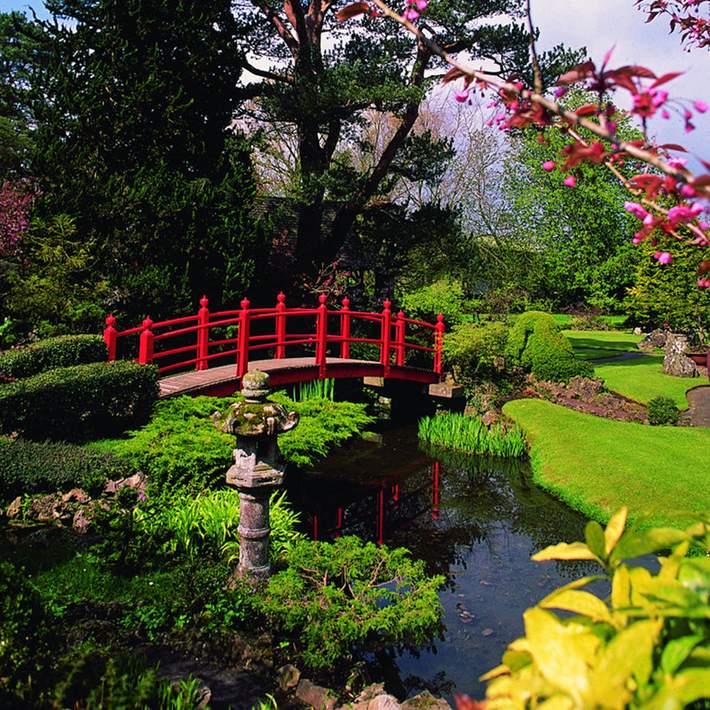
476 351
443 296
663 411
62 351
74 403
646 645
459 432
337 600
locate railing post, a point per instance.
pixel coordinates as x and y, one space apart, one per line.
145 350
386 336
400 330
345 329
243 339
110 336
280 326
321 335
439 329
203 319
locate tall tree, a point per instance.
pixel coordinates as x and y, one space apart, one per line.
319 78
133 111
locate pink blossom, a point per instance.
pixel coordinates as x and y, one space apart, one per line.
570 181
704 283
462 96
682 214
411 14
422 5
636 210
664 258
549 165
700 106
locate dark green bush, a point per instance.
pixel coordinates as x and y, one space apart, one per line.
80 402
62 351
33 467
663 411
537 345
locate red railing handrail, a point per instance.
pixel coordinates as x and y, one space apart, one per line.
391 340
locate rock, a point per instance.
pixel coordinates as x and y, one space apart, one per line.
655 339
288 677
490 417
383 702
425 701
137 481
44 509
77 494
15 508
638 331
81 521
676 361
314 695
370 692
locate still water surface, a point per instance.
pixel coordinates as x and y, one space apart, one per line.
476 520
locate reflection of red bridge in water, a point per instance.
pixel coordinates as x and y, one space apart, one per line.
387 492
278 331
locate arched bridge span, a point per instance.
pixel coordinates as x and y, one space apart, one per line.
209 352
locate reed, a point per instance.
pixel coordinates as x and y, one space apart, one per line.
470 435
318 389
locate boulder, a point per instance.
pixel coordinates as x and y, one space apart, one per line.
384 702
655 339
638 331
76 494
81 521
288 677
315 696
15 508
676 361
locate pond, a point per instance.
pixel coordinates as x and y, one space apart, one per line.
476 520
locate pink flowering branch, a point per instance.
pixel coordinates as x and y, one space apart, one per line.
683 15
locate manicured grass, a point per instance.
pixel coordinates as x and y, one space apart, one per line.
596 344
642 379
597 465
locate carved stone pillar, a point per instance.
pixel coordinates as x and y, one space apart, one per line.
258 468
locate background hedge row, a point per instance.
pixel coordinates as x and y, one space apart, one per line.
80 402
33 467
62 351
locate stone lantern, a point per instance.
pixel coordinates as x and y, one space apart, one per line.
258 467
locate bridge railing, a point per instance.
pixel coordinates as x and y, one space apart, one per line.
182 343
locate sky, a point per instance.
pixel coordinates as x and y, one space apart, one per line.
599 25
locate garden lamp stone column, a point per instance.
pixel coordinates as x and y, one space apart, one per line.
258 467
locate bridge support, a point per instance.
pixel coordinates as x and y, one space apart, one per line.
258 468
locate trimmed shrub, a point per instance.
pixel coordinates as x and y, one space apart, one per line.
475 351
80 402
33 467
663 411
537 345
62 351
443 296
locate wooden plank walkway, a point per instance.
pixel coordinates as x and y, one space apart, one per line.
222 381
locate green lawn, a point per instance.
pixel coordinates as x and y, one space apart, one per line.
598 465
642 379
595 344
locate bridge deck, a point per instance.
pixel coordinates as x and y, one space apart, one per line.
222 381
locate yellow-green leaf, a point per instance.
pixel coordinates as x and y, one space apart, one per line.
578 602
683 689
566 551
621 588
562 652
614 529
676 652
635 543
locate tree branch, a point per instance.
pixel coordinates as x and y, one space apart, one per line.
278 24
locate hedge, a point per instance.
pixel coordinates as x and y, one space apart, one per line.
62 351
80 402
536 344
33 467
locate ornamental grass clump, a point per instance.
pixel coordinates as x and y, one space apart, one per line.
470 435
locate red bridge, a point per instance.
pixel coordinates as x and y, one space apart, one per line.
196 346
